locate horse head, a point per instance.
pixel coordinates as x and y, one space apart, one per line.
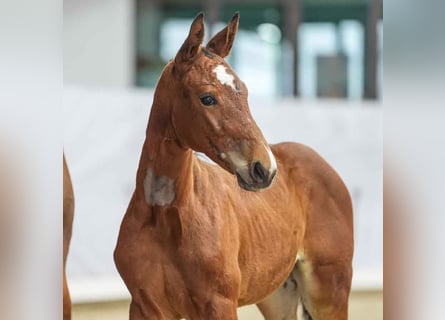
210 112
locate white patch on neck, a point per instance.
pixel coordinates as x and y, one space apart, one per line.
224 77
158 190
273 161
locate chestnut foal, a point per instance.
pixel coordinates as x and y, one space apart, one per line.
196 242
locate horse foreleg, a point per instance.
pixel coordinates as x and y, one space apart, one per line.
218 308
137 314
145 308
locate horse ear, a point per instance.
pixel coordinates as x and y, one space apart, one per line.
222 42
191 46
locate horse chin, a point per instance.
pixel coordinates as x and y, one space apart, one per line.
245 185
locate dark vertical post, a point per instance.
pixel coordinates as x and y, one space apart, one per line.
372 17
148 19
211 8
291 24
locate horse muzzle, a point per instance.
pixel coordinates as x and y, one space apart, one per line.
255 176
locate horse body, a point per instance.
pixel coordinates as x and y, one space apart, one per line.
196 242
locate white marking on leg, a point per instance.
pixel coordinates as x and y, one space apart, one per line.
300 256
273 161
158 190
303 262
224 77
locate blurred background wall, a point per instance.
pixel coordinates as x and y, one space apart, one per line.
307 48
98 40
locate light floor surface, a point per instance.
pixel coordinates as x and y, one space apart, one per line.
364 305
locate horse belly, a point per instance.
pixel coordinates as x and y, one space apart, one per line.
267 269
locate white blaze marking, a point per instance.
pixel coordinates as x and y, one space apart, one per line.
158 190
273 161
224 77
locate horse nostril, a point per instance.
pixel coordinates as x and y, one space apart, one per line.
259 173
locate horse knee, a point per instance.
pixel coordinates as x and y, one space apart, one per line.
221 308
137 313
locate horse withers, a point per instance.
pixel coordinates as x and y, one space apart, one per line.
267 225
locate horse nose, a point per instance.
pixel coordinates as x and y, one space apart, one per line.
258 173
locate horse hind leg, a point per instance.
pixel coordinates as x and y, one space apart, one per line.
283 303
311 292
324 290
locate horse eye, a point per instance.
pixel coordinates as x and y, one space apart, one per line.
208 100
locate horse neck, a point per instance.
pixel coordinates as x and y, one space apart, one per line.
165 167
